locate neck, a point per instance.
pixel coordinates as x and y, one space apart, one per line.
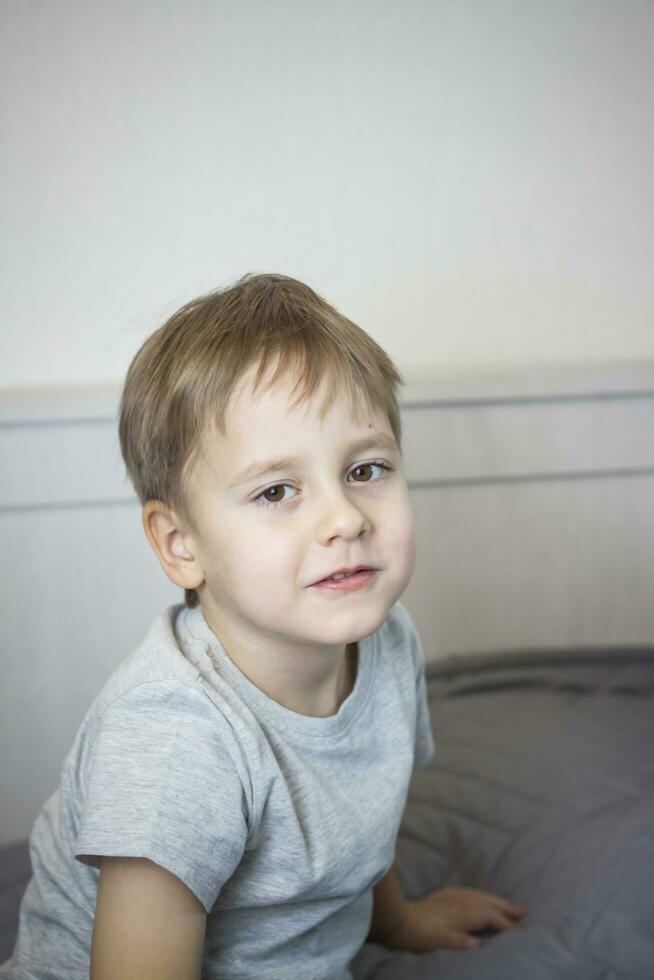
308 682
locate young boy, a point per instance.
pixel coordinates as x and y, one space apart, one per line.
231 802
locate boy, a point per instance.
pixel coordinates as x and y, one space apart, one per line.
231 802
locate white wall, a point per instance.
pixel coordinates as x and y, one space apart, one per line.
468 179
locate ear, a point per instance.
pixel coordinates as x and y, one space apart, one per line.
172 543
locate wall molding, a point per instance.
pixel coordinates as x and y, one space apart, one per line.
60 445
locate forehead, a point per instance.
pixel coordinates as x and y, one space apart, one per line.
275 428
285 400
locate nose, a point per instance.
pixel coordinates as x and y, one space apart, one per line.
340 517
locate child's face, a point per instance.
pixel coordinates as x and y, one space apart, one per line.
264 541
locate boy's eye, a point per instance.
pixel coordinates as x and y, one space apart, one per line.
274 495
365 467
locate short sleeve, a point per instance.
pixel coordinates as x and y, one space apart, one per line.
161 783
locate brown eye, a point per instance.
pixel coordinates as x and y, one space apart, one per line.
362 474
358 469
276 493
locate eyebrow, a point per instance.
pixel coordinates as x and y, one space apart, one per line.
378 440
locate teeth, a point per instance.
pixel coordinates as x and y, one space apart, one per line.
335 578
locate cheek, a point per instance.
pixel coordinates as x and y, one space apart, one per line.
262 557
401 535
401 523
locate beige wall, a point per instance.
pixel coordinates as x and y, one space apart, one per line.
468 179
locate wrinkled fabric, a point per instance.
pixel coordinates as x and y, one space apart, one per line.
542 790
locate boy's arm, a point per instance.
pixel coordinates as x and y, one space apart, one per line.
445 918
148 925
389 907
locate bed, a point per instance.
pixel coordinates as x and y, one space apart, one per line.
541 789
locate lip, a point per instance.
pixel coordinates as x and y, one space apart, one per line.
345 571
358 578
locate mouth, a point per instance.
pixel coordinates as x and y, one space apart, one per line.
347 579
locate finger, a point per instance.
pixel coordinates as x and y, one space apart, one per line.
476 893
503 904
499 920
460 940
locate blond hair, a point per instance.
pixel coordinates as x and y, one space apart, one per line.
182 378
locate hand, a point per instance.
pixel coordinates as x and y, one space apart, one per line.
447 918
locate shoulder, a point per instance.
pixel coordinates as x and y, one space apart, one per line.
156 698
158 658
156 674
153 733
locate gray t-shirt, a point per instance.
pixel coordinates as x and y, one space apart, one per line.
280 823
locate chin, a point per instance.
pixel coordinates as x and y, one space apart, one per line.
355 624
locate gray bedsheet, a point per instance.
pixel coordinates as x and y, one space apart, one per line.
542 790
